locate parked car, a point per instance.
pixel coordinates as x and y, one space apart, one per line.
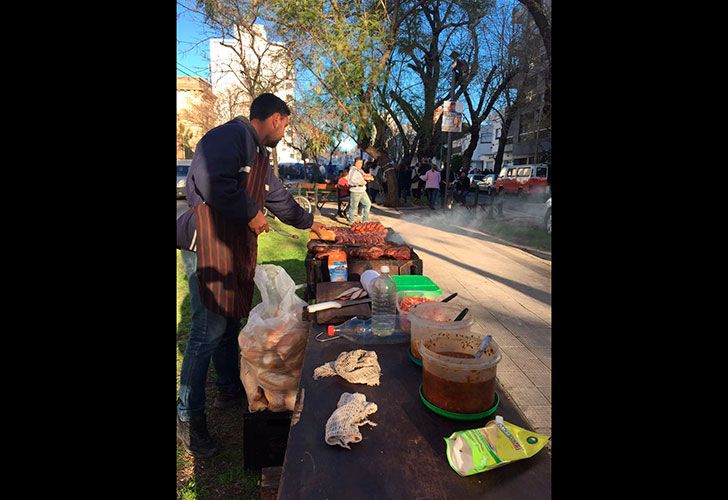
183 166
523 180
477 180
547 217
487 183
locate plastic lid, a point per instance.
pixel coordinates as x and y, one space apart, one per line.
498 419
384 269
460 416
330 330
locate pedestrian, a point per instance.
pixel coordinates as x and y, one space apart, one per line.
376 185
415 184
343 190
228 184
358 191
404 179
462 187
432 184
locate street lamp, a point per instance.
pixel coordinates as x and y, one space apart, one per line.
454 56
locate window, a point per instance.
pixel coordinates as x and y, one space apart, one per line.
511 172
542 172
524 172
497 134
484 139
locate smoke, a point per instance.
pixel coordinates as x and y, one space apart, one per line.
476 220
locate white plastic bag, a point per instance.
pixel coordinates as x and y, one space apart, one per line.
272 342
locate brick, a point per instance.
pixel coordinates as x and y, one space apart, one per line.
513 379
538 416
539 379
518 352
528 396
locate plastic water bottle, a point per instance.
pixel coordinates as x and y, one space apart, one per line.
384 303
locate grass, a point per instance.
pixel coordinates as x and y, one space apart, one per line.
520 234
223 476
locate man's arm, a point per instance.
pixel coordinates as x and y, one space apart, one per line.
280 201
218 158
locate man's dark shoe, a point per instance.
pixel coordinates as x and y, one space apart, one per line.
225 400
194 437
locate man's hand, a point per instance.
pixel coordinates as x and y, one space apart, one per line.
316 227
259 223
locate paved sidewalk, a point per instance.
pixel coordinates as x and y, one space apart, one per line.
507 290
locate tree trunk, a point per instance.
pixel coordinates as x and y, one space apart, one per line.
474 138
390 175
275 162
502 140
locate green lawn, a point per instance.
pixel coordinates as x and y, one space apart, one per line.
528 235
223 476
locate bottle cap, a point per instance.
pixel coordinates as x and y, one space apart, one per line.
330 330
498 419
384 269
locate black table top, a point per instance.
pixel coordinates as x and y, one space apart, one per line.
404 455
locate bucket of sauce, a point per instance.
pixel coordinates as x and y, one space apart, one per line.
452 378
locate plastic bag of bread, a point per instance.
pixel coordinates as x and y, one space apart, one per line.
273 342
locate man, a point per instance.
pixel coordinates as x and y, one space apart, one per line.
462 187
357 191
228 184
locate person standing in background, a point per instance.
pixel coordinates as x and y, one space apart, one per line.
358 191
432 184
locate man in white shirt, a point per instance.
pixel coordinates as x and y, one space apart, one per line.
358 191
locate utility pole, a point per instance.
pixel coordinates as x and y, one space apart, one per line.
453 66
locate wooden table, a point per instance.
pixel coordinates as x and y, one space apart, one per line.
404 455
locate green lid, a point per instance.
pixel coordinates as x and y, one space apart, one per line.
460 416
412 358
407 282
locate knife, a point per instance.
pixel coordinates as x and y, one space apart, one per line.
335 304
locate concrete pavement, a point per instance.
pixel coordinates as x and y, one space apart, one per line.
507 290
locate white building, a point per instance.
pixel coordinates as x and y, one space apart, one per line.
231 64
485 152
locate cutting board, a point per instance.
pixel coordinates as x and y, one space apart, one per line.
328 290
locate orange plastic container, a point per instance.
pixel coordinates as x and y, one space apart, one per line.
338 269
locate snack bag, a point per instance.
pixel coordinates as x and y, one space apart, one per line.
497 444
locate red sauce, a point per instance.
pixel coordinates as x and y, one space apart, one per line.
458 397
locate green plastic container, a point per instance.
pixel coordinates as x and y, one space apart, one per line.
408 282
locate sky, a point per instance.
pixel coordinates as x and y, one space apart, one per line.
192 56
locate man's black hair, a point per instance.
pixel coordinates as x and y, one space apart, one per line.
265 105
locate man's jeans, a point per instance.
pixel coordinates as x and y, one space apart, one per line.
211 337
354 200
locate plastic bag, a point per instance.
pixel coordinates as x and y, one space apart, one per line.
272 342
497 444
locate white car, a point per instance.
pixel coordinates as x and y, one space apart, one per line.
183 166
547 217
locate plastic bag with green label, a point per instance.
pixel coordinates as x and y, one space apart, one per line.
497 444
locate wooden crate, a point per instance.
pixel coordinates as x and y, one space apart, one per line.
317 271
265 434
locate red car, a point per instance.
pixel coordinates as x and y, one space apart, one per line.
523 180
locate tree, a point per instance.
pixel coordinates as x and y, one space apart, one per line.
346 47
428 39
483 89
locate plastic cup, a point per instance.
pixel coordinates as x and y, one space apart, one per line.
435 318
452 379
